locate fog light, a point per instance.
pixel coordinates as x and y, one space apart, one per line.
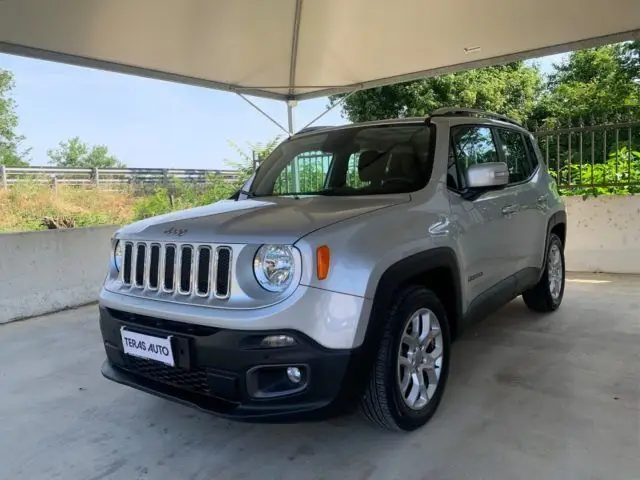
294 374
277 341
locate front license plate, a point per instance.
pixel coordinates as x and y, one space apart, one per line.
146 346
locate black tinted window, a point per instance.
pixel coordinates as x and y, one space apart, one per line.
515 154
470 145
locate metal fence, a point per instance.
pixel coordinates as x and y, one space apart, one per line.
108 177
598 158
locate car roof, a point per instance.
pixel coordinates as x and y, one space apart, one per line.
452 113
390 121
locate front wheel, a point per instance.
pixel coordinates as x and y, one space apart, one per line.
547 295
412 363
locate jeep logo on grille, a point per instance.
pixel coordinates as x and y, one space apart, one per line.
178 232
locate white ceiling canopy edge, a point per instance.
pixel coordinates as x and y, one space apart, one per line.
321 90
41 54
485 62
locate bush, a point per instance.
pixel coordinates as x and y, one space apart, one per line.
155 204
180 195
616 177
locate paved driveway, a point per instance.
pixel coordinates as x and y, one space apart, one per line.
529 397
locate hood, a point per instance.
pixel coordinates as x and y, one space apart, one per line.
273 220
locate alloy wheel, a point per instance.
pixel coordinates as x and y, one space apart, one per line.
420 358
555 273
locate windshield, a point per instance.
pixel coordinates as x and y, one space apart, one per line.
370 160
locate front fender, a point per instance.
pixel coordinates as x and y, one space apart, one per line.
363 248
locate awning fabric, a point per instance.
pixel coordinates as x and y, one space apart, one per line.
297 49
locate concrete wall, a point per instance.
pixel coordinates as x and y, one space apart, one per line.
41 272
603 234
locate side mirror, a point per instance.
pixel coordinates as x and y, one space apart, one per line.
487 175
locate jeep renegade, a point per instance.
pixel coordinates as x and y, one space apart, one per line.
340 273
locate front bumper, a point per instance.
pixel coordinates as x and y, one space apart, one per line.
217 370
333 320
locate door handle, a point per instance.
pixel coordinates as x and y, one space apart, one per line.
509 209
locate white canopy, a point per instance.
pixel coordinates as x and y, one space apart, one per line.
297 49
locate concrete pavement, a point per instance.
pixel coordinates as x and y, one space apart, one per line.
529 397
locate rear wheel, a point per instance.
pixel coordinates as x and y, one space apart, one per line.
412 363
547 295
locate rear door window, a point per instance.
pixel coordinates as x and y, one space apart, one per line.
515 155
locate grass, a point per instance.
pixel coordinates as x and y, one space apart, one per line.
24 207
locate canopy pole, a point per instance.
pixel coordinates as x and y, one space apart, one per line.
291 102
291 105
265 114
291 118
339 102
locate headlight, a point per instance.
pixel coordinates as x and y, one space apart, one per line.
117 255
273 267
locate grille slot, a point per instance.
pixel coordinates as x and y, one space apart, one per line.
154 267
126 269
169 267
186 260
178 269
223 272
203 272
141 251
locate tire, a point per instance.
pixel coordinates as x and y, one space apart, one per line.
383 402
545 296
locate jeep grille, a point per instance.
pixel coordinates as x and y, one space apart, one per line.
181 269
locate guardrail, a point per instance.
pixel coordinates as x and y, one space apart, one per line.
603 157
105 177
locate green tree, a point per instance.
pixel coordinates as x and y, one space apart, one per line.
250 156
595 84
77 154
511 89
10 142
631 59
592 86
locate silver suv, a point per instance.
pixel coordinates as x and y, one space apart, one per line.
340 274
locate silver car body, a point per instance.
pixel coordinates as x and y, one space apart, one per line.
493 237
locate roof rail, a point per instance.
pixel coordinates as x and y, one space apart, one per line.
310 129
445 111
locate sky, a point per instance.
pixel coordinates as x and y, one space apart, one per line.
147 123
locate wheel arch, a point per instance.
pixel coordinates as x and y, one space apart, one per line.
436 269
557 224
